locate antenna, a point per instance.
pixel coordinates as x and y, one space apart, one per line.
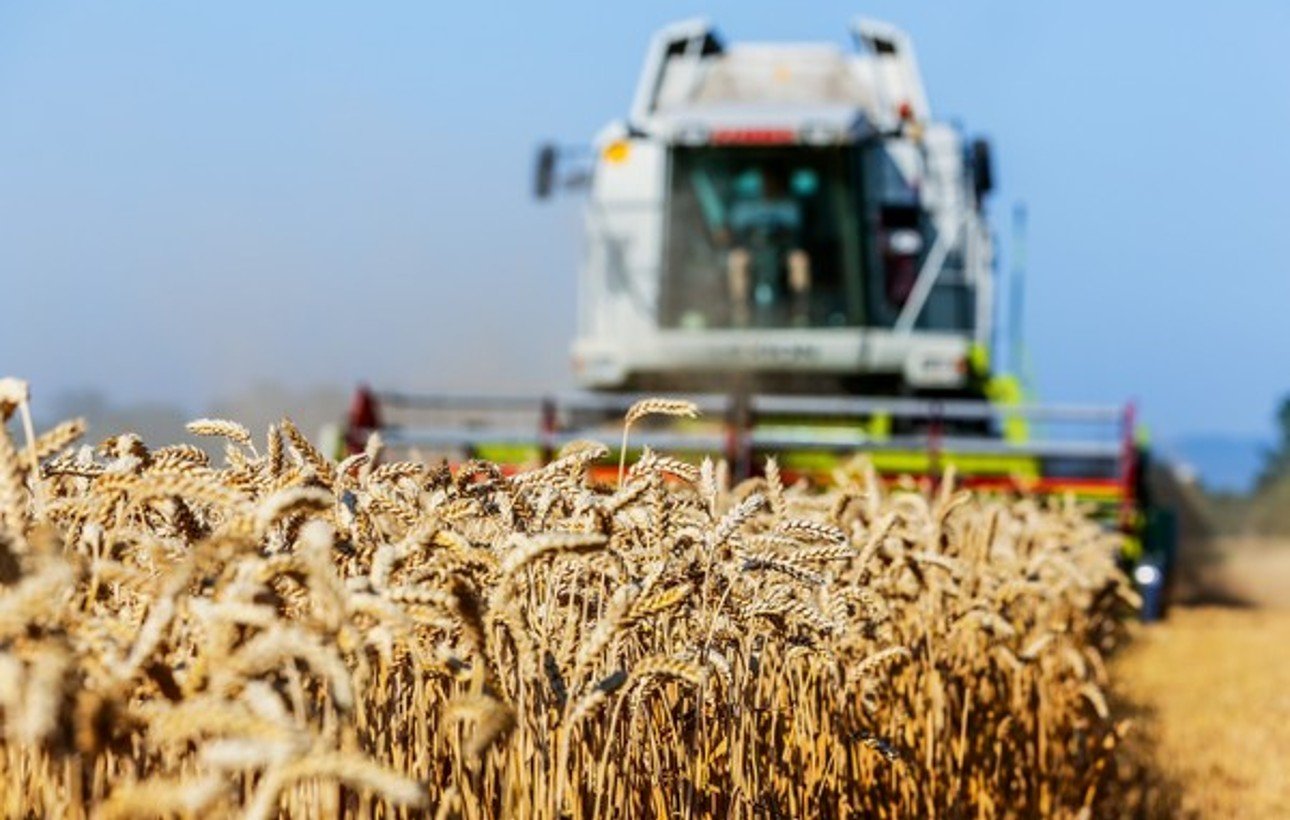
1017 295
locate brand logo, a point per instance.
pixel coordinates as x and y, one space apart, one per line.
766 353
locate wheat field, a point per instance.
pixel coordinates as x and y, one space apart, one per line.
275 633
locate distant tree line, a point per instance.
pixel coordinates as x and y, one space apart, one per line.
1277 464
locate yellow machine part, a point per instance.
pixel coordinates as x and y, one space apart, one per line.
920 462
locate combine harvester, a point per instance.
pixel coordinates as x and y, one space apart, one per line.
786 236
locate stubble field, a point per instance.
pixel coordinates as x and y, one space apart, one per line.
1209 691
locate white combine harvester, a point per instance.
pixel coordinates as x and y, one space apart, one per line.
784 218
786 236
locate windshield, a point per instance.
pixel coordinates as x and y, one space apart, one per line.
762 237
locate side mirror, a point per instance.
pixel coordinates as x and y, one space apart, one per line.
544 171
982 168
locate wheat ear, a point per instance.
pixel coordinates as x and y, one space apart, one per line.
652 407
220 427
17 391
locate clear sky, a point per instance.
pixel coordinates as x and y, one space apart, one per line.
195 197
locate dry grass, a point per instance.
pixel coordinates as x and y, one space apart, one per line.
1254 571
282 633
1213 687
1217 682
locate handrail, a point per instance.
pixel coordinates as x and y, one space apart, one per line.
763 404
524 437
948 409
759 424
743 430
460 401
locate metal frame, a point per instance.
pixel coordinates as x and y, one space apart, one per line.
749 426
933 267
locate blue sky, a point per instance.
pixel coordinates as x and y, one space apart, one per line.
193 199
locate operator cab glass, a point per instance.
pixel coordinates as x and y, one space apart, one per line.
762 238
801 237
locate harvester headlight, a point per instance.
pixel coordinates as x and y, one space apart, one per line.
818 134
692 134
1146 575
905 241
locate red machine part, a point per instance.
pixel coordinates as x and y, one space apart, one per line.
364 416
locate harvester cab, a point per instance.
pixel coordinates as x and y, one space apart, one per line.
788 218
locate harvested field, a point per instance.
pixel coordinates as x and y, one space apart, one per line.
282 633
1211 690
1250 572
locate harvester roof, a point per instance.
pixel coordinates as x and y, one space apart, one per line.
773 73
695 87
